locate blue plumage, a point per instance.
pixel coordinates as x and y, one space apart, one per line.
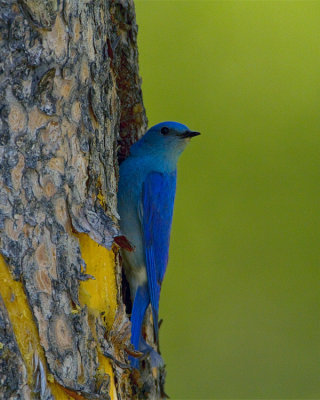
158 199
146 194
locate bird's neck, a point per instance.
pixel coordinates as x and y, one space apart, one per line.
153 158
162 161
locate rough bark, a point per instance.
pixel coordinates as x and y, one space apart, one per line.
13 378
70 98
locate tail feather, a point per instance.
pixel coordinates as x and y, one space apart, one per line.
155 324
140 305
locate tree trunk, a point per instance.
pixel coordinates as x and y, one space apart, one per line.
70 99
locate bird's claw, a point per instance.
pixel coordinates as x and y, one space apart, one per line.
134 353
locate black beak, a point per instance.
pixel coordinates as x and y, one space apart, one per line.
189 134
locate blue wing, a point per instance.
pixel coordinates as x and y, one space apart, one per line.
157 209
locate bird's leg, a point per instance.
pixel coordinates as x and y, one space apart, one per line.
124 243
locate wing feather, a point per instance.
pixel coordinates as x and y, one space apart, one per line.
157 210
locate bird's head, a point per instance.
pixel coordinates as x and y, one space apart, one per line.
168 138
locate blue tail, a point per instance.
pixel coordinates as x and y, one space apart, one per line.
140 305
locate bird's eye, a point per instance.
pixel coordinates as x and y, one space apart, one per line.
164 130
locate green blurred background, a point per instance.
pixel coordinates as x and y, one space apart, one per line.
241 297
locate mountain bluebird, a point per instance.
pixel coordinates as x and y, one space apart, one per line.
146 194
